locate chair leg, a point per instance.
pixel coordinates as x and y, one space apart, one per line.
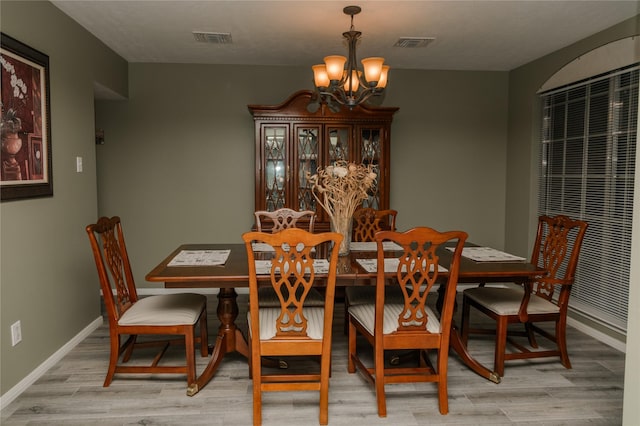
114 354
530 335
351 352
250 362
191 356
346 314
129 345
379 381
501 345
443 397
325 373
561 341
257 402
255 369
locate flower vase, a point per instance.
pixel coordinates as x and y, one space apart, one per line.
342 225
11 144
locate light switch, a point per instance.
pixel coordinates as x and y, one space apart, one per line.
79 164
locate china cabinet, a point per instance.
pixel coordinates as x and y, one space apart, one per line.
297 137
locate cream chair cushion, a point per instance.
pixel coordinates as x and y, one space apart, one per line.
365 315
165 309
506 301
269 316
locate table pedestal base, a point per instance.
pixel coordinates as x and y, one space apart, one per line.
455 343
229 339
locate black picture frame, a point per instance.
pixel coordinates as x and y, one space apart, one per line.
26 115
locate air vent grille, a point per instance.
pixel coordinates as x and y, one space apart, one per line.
411 42
215 38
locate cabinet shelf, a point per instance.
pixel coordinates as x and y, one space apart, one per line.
307 156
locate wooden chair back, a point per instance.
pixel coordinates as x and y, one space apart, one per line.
284 218
292 328
557 250
112 262
367 221
418 270
277 221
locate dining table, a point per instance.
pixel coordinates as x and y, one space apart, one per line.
234 274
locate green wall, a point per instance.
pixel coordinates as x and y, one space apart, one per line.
47 279
178 160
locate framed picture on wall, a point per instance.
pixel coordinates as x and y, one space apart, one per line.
25 169
35 157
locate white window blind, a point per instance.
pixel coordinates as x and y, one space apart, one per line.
587 168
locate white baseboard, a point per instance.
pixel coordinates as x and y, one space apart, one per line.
598 335
31 378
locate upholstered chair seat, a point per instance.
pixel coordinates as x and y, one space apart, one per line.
507 301
166 309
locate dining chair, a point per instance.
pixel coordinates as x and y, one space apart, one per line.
366 222
411 323
284 218
276 221
556 249
292 328
131 316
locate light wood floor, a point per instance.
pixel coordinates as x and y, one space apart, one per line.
531 393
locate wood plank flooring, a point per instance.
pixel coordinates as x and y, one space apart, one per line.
537 392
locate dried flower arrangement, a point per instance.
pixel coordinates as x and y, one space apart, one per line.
340 189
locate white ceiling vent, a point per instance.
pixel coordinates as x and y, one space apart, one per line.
411 42
215 38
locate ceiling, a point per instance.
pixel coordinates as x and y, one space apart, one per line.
469 35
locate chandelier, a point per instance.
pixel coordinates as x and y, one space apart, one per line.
339 78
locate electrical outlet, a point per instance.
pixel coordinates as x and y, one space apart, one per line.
16 333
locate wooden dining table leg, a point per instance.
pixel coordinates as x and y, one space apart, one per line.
230 338
455 343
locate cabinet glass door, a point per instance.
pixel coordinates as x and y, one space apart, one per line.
275 150
338 143
371 154
307 162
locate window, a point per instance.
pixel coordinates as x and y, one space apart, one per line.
587 168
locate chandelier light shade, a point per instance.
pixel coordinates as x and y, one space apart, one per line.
339 79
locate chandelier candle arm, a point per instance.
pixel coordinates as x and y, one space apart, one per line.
339 78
